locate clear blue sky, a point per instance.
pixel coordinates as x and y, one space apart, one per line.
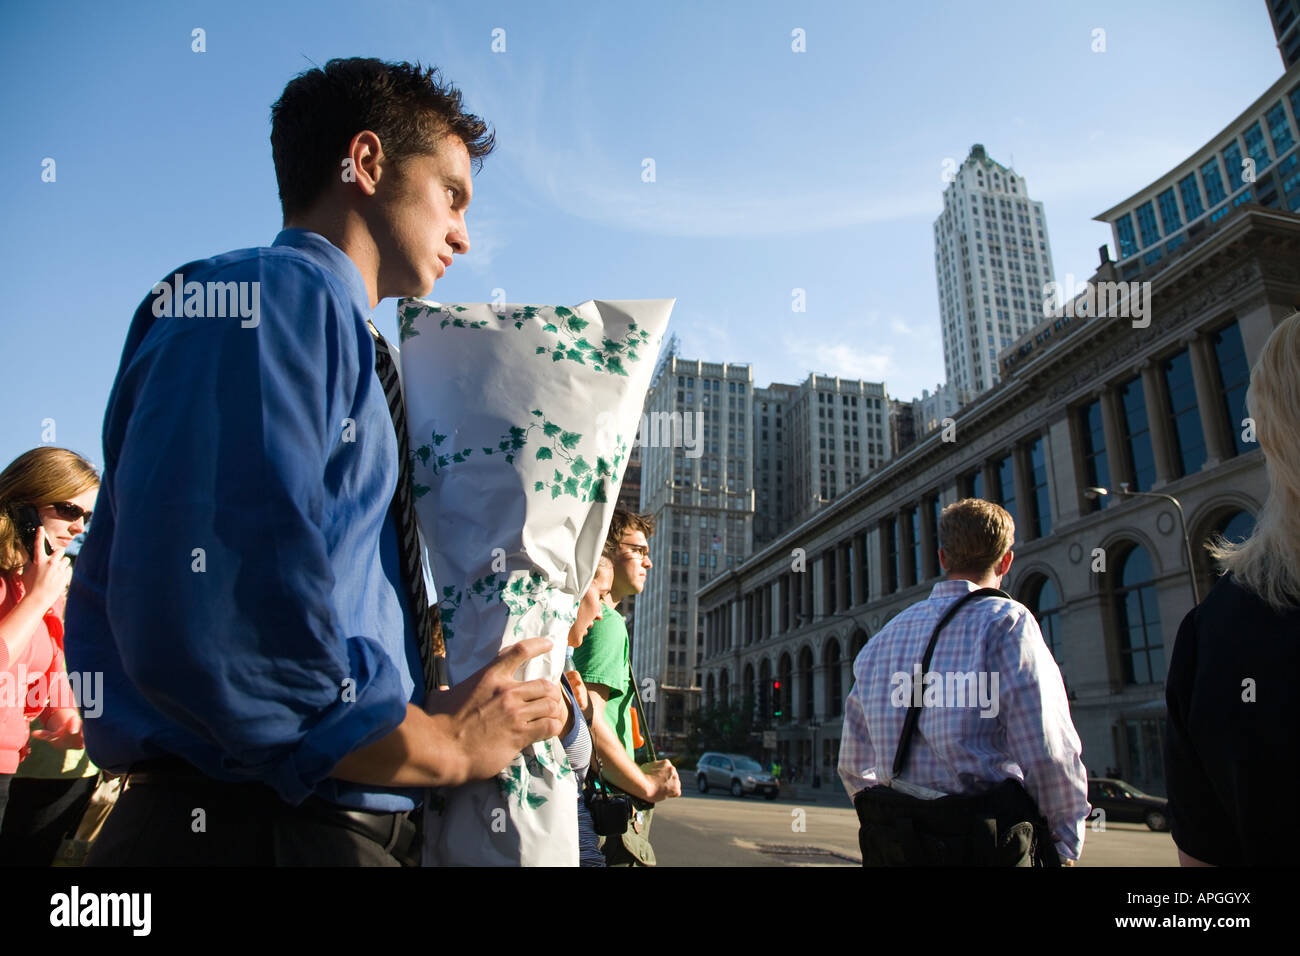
775 170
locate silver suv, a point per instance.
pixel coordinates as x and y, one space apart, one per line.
736 772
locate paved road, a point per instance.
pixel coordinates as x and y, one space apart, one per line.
713 830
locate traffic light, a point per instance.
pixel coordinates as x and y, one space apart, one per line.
776 699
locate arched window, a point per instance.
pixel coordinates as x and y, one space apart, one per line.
1141 643
708 690
1234 525
807 702
835 679
859 642
1043 598
764 690
724 688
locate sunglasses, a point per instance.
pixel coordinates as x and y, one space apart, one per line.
70 512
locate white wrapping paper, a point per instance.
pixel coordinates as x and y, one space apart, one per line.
521 419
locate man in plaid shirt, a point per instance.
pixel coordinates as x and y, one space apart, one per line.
967 741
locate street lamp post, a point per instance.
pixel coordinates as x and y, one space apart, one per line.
1094 493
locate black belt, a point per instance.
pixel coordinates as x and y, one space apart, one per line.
395 832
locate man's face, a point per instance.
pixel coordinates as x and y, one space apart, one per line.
419 220
631 564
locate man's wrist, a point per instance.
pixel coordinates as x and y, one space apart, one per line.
445 759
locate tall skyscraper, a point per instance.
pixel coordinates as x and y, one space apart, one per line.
697 463
992 259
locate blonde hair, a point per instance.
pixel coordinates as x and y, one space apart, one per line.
974 535
38 477
1268 562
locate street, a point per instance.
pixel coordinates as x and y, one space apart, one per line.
721 830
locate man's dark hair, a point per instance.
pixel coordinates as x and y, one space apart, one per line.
620 524
407 106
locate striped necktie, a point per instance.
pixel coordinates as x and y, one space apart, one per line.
403 510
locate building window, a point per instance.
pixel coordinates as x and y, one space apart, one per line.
1137 434
1146 218
1232 161
1279 128
1141 645
1006 477
1185 418
1125 230
914 518
834 673
1212 179
1255 146
1042 509
889 528
973 484
1169 217
1044 600
1096 469
1234 378
1191 197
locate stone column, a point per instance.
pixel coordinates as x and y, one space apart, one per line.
1219 445
1118 459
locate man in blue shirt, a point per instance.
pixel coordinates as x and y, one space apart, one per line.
242 589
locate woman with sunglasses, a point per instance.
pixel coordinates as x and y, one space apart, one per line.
46 497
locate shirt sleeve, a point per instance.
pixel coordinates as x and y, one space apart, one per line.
220 587
857 766
600 658
1195 811
1041 738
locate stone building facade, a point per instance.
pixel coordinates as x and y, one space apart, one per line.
1156 403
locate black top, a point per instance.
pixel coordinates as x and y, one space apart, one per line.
1231 741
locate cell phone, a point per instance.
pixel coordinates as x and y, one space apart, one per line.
28 521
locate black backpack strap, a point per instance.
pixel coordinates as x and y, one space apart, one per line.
914 713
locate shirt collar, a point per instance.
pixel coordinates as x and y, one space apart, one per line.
328 256
947 589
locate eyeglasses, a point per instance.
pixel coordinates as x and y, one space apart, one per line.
640 550
70 512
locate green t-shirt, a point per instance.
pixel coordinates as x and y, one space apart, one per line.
603 658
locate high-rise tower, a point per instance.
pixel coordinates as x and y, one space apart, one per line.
992 259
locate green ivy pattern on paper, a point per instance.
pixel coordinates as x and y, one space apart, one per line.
514 780
519 595
567 326
428 454
585 481
574 347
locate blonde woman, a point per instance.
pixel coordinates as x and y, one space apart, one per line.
1233 730
46 497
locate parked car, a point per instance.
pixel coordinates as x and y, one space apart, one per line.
735 772
1124 803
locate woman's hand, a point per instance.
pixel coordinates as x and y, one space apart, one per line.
46 576
62 729
580 694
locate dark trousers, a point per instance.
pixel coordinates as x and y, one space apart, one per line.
5 780
230 825
40 814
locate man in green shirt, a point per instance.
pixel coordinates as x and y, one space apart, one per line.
603 663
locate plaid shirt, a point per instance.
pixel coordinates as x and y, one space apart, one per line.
1026 733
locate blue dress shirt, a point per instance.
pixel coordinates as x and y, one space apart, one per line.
240 588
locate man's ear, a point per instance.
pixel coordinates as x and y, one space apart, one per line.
1005 564
365 161
943 561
